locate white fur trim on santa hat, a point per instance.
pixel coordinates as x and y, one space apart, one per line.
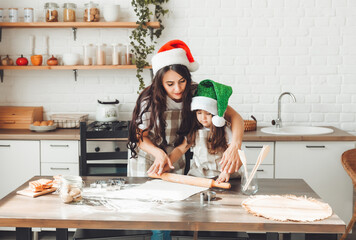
173 56
218 121
205 103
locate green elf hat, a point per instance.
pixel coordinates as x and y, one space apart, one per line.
212 97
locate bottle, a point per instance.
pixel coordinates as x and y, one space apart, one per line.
100 55
69 12
51 12
115 54
88 56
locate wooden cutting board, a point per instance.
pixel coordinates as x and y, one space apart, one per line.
30 193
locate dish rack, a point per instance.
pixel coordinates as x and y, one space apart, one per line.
69 120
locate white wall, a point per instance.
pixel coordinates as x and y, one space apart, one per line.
259 47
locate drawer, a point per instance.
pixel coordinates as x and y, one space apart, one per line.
52 169
60 151
264 170
252 150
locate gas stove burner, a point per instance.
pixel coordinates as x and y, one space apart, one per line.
98 126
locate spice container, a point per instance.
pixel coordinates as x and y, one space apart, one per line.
115 54
69 12
71 189
88 54
1 14
51 12
28 14
91 12
13 16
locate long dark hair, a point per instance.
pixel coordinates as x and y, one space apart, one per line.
216 141
153 99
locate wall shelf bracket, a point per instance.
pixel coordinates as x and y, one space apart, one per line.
0 33
2 75
74 29
75 71
151 33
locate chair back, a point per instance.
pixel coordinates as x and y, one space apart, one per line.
348 160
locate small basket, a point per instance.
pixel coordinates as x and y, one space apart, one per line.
69 120
250 125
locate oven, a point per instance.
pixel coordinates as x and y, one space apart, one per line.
107 167
103 149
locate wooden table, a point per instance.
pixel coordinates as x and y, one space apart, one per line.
224 214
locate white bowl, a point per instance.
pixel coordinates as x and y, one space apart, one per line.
71 59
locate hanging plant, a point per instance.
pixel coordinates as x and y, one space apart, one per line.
139 38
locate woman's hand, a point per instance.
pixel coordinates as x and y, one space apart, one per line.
161 160
230 162
223 177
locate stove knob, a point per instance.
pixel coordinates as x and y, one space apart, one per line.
97 149
117 149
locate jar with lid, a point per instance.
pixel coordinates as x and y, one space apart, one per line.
69 12
13 16
91 12
115 54
1 14
100 54
71 188
28 14
88 54
51 12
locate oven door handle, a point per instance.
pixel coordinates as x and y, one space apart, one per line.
111 161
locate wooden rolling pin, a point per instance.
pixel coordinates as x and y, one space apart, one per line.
190 180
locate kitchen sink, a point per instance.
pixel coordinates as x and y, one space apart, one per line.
297 130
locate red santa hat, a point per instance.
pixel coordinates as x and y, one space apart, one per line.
174 52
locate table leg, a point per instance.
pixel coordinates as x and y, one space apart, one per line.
272 236
195 235
61 233
23 233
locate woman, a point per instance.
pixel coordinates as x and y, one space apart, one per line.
162 116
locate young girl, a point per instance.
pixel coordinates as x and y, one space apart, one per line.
209 136
162 115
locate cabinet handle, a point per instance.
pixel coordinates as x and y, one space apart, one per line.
53 145
5 145
254 146
260 170
59 168
309 146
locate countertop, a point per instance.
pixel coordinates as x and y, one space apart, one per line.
252 136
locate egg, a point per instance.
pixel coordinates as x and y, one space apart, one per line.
44 123
50 122
36 123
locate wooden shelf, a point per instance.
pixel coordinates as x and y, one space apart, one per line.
77 67
75 25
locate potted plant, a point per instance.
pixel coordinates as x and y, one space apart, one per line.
141 45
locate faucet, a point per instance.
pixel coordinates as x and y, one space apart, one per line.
278 121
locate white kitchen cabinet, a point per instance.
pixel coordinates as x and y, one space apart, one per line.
252 150
19 161
319 164
59 157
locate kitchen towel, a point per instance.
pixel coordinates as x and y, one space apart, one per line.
287 208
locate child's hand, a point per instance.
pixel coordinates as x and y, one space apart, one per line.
223 177
161 161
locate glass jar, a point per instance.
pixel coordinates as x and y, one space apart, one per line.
88 55
71 189
115 54
51 12
28 14
100 54
91 12
249 186
69 12
13 16
1 14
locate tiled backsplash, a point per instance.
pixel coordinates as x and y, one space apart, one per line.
260 48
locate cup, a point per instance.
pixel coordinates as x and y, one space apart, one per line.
111 12
252 188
